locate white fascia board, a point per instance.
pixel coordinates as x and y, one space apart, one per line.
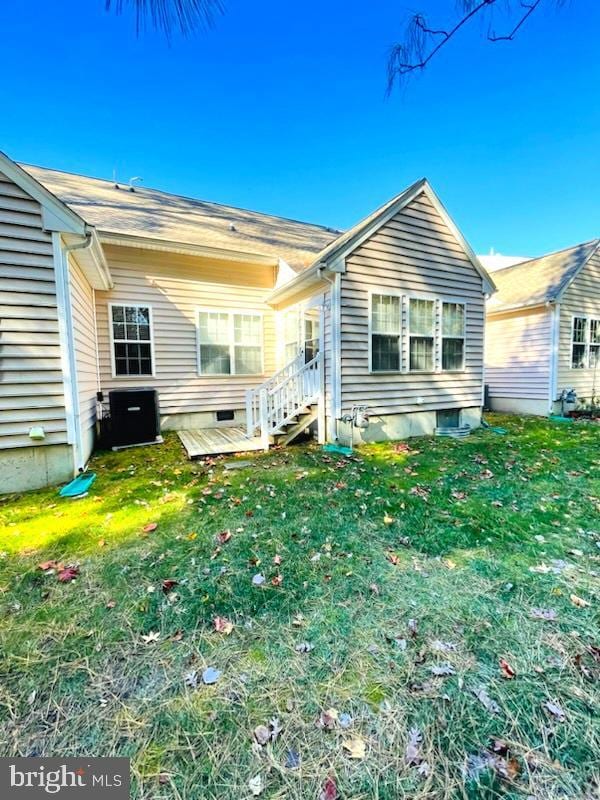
56 216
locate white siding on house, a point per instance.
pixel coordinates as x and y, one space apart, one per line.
31 379
581 298
84 342
517 355
413 252
175 286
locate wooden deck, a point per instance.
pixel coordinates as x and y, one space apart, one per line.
214 441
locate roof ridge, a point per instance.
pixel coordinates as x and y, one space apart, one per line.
547 255
140 189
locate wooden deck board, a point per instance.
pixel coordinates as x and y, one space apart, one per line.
215 441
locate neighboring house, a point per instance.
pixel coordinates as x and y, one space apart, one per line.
250 326
543 331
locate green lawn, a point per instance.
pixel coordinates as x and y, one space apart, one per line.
401 563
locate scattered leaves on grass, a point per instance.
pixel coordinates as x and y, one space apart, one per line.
47 565
67 574
223 537
222 625
277 580
327 719
578 601
277 559
507 671
211 675
486 701
151 526
387 520
169 584
329 791
392 558
256 785
150 638
356 748
110 603
556 711
421 491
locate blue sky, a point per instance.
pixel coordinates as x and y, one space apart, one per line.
281 108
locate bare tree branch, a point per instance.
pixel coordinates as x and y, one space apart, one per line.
170 15
531 7
423 41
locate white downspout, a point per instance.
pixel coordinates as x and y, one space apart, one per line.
554 350
63 295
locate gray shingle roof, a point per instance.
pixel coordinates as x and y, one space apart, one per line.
539 280
154 214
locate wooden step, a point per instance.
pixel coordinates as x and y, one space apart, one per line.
292 431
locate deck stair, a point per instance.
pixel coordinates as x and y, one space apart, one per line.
283 406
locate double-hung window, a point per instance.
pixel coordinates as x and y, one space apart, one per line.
453 336
131 329
229 343
385 333
421 335
585 343
417 334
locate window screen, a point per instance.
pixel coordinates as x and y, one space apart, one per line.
132 337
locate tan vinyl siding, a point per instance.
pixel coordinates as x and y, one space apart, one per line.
581 298
31 382
517 354
84 342
175 286
413 252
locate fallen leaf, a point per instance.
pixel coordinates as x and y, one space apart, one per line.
223 625
548 614
328 719
303 647
387 520
191 679
151 526
486 701
262 734
211 675
507 671
413 627
329 791
392 558
153 636
442 647
169 584
256 785
277 560
345 721
111 604
442 670
277 580
67 574
555 710
31 697
356 748
46 565
374 589
412 754
223 537
578 601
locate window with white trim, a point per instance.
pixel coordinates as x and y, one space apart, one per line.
421 335
131 328
453 336
417 334
585 343
291 334
385 333
229 343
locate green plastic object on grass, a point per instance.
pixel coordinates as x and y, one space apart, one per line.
338 449
80 485
559 418
487 426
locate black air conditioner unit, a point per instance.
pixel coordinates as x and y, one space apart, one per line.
134 416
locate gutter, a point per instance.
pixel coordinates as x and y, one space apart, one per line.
314 274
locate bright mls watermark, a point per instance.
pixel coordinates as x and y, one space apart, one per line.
25 778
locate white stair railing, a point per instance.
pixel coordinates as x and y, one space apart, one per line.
280 400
